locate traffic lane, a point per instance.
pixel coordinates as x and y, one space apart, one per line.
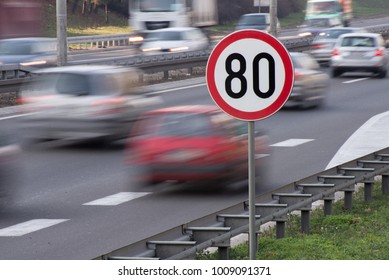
168 208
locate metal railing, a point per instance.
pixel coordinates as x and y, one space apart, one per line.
11 76
217 229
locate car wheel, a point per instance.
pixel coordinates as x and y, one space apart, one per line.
382 74
336 72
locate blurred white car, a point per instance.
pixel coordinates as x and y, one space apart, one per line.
360 52
311 84
33 52
84 102
174 39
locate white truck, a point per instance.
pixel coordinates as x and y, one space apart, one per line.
148 15
338 9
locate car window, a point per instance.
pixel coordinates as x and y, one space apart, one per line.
72 84
253 20
165 36
184 124
357 42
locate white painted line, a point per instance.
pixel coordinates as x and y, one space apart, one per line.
291 142
16 116
259 156
179 88
30 226
116 199
356 80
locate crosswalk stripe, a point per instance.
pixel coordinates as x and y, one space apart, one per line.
116 199
30 226
292 142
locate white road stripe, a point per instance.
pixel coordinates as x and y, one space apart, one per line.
16 116
356 80
291 142
30 226
179 88
116 199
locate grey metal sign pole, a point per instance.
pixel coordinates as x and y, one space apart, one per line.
251 155
62 49
273 17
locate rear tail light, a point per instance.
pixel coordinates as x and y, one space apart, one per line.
379 52
335 52
109 106
319 46
298 76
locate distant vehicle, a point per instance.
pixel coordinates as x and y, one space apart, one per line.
21 18
322 45
84 102
311 85
196 144
258 21
33 52
146 15
178 39
337 9
313 27
9 151
361 52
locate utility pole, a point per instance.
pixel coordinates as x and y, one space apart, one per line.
62 49
273 17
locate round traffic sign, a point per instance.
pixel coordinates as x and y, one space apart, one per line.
250 75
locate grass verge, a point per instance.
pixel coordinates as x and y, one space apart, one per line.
361 233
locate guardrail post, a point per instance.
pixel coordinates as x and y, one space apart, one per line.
267 209
368 190
305 224
385 184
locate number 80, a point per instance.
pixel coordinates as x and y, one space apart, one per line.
243 81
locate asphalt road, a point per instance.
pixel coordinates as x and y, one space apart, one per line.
57 215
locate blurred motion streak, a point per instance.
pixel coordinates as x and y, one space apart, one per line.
84 102
191 144
20 18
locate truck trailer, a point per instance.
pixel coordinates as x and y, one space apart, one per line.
148 15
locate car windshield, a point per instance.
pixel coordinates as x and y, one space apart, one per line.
165 36
184 124
253 20
319 22
358 42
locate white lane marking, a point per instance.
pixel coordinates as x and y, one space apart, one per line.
116 199
259 156
372 136
30 226
16 116
356 80
179 88
291 142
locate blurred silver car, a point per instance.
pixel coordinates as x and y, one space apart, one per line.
84 102
174 39
322 45
311 85
33 52
359 52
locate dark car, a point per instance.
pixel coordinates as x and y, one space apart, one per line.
313 27
33 52
258 21
198 143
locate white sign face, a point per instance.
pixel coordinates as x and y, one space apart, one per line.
250 75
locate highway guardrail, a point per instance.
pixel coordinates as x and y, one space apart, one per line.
217 229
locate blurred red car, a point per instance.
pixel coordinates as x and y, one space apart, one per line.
190 144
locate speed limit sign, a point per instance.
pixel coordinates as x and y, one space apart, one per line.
250 75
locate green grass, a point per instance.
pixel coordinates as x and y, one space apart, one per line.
94 23
361 233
